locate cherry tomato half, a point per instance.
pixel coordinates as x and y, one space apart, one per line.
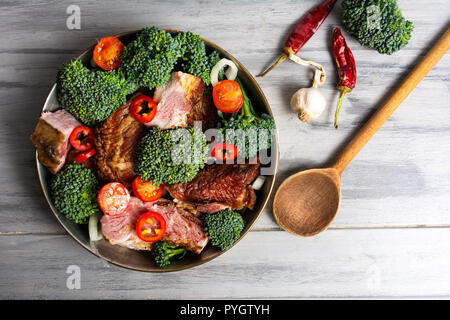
82 138
227 96
143 109
224 151
150 227
84 155
146 191
107 53
113 198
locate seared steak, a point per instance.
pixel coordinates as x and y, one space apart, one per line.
182 228
115 141
176 99
204 111
217 187
51 138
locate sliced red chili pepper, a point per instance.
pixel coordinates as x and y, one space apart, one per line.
107 53
84 155
224 151
303 31
143 109
82 138
227 96
150 227
113 198
146 191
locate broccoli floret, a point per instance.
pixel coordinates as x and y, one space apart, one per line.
194 59
387 33
150 58
91 96
163 252
246 130
170 156
223 228
73 191
214 58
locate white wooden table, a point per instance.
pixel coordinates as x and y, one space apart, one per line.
392 235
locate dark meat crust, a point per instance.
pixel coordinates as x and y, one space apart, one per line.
115 142
227 184
46 139
51 138
204 111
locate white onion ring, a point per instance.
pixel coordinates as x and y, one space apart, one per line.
259 182
94 233
230 73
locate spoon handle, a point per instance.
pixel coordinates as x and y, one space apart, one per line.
400 94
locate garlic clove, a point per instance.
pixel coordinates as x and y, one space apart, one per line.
308 103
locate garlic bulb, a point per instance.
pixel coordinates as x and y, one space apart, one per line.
309 103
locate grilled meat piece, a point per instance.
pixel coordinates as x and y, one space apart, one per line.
217 187
204 111
51 138
115 142
198 208
182 228
176 99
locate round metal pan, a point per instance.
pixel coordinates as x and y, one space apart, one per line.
143 260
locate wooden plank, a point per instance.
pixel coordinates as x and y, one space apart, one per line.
265 24
335 264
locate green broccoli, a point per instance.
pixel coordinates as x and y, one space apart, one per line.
73 191
163 252
387 33
194 58
150 58
90 96
246 130
223 228
170 156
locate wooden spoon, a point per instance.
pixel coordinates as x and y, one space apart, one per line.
307 202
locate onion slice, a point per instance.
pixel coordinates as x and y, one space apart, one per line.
230 73
94 233
258 183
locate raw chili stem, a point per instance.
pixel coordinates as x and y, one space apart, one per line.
346 66
303 31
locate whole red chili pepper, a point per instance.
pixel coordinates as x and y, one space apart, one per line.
345 63
304 30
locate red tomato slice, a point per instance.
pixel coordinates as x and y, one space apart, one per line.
82 138
150 227
227 96
113 198
83 156
143 109
224 151
146 191
107 53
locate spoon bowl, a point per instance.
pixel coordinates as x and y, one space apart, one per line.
307 202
